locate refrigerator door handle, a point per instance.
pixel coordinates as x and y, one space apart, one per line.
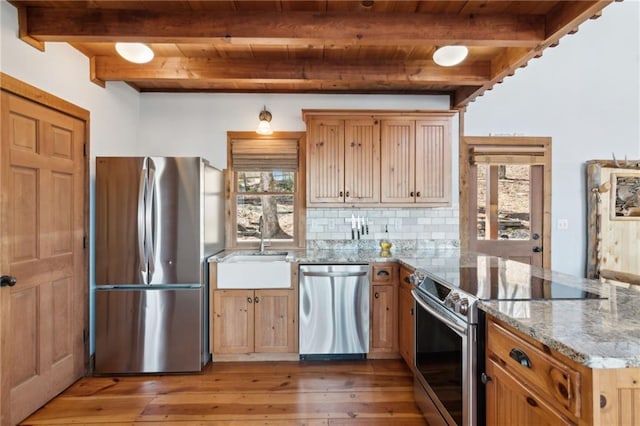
150 219
142 189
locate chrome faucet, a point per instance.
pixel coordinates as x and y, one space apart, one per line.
262 228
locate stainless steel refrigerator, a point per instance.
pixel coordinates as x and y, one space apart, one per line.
157 221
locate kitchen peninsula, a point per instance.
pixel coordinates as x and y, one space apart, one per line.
589 348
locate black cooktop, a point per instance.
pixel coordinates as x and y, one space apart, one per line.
491 284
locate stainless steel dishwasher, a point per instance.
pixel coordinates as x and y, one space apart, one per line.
334 311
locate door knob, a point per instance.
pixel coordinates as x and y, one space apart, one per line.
7 280
537 249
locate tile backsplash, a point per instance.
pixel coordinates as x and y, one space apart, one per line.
407 227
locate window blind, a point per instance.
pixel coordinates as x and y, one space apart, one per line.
507 155
264 154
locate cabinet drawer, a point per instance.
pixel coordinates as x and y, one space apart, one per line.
383 273
555 381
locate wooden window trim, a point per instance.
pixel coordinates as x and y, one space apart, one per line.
299 193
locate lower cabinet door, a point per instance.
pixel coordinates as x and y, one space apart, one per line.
406 326
510 402
248 321
275 321
383 318
233 321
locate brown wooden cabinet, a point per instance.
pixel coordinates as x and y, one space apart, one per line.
378 158
248 321
416 161
406 320
383 339
532 384
343 160
513 402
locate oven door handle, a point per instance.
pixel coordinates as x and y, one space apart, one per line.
452 325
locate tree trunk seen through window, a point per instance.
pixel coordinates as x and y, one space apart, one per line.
270 208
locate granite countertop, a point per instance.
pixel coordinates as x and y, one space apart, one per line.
599 333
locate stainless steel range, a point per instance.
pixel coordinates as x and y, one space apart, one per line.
449 332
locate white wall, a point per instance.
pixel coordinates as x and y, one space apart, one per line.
584 94
197 123
64 72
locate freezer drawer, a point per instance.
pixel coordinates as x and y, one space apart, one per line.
334 311
148 330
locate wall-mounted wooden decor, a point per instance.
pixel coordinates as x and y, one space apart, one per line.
613 201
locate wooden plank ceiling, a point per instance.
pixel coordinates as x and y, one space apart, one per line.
310 46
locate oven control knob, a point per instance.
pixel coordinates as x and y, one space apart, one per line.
452 301
464 306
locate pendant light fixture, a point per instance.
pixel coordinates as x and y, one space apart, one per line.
138 53
448 56
264 127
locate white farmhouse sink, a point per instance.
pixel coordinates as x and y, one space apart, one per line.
267 257
254 271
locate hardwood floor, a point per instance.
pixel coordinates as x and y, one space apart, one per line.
371 392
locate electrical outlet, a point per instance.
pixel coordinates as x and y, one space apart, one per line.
563 224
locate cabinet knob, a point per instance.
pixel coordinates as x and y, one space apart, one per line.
347 194
537 249
377 295
484 378
411 194
257 299
418 194
249 300
341 193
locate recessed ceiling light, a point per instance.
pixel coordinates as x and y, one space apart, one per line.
138 53
448 56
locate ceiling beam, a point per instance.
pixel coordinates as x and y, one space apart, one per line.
292 28
212 69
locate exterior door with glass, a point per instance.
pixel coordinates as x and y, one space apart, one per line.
508 193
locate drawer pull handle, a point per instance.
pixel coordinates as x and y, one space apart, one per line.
383 273
521 357
407 280
603 401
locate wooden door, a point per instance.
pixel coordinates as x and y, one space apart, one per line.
362 161
276 322
233 319
508 194
433 161
325 163
397 160
42 317
510 402
383 318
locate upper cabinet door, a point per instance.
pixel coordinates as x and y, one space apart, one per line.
362 161
433 161
398 160
325 161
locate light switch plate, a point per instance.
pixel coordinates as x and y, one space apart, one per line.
563 224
